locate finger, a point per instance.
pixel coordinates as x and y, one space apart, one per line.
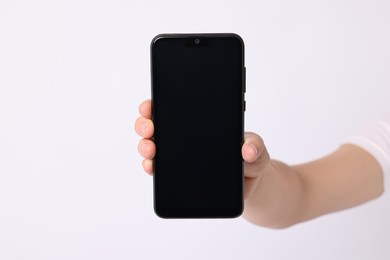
145 109
144 127
255 155
147 164
253 149
147 148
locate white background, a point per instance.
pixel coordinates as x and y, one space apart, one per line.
72 74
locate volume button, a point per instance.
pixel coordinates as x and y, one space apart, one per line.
244 79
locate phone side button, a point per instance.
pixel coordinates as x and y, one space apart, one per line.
244 105
244 79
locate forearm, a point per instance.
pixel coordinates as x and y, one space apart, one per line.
286 195
348 177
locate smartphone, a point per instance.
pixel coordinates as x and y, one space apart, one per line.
198 85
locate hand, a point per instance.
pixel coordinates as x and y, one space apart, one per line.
254 152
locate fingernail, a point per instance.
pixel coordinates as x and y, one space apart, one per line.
145 128
254 148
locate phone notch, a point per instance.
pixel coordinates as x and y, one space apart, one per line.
194 42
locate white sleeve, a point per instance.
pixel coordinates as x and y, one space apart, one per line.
376 140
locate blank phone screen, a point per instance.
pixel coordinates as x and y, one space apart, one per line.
198 114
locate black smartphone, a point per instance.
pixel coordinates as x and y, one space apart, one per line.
198 85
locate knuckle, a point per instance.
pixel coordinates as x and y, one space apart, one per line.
257 140
252 135
258 137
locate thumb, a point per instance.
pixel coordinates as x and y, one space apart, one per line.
255 155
